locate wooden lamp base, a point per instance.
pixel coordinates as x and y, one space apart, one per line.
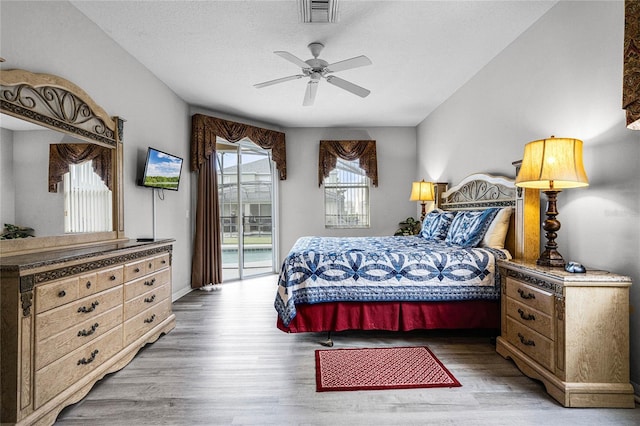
550 256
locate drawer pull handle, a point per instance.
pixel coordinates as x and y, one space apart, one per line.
150 283
150 320
525 341
88 284
62 293
528 317
112 277
150 299
136 270
85 333
85 361
150 265
526 296
163 261
84 309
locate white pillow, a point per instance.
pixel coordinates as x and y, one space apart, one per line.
497 232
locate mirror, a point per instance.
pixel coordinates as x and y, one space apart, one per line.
82 202
39 110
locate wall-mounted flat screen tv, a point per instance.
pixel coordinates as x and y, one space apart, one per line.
161 170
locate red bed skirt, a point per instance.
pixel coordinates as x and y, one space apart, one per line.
395 316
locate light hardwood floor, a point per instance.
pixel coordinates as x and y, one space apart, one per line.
227 363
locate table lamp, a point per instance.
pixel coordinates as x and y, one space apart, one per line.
422 191
552 165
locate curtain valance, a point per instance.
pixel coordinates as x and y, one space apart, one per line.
63 154
631 77
363 150
205 129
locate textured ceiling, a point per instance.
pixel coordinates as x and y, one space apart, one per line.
211 53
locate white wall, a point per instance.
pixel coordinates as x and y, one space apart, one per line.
55 38
562 77
302 201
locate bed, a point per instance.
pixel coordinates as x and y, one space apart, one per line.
445 278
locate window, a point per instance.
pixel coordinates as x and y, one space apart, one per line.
346 196
87 200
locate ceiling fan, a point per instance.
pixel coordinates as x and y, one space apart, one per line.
316 69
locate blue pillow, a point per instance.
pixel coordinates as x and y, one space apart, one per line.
436 225
468 227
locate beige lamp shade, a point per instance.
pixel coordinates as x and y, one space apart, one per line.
553 163
422 191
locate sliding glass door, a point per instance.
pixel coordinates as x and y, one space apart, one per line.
246 189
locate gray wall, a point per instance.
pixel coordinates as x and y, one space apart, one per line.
35 206
302 201
55 38
8 189
562 77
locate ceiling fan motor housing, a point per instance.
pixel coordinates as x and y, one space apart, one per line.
317 66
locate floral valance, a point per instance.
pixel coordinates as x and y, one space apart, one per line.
205 129
365 151
631 77
63 154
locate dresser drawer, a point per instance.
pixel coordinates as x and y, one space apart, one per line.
71 314
59 375
529 317
55 294
88 284
161 262
138 268
146 300
137 287
108 278
531 343
137 326
73 337
530 296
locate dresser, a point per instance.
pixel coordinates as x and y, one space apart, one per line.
71 316
568 330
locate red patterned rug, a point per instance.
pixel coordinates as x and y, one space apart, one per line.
380 368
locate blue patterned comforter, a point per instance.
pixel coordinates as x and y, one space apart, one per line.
361 269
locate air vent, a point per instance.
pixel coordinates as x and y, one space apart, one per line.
318 11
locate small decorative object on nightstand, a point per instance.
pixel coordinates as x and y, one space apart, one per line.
568 330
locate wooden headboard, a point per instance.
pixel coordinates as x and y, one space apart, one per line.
481 191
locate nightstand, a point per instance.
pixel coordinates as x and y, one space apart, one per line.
570 331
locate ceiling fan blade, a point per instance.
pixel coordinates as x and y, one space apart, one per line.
292 58
348 86
358 61
278 80
310 93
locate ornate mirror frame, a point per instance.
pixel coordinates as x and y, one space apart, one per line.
58 104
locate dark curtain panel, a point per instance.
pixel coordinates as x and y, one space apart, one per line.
365 151
206 265
631 78
63 154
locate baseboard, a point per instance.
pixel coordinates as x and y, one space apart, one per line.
177 295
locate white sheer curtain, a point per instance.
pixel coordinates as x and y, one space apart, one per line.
87 200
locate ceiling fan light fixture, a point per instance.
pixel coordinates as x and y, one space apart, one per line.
316 69
318 11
